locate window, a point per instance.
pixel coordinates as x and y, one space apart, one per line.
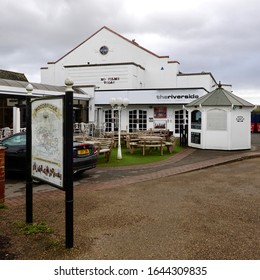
196 119
142 120
16 140
216 119
137 120
108 120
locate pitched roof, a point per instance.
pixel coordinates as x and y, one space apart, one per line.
220 97
15 76
24 84
117 34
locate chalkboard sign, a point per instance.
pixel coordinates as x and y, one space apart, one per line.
195 137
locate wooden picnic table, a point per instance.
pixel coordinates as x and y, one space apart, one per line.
147 142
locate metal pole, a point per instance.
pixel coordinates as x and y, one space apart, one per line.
68 163
119 151
29 183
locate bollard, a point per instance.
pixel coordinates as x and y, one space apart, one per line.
2 174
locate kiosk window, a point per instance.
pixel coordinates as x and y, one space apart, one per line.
196 119
217 119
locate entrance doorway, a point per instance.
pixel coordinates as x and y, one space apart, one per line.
181 118
137 120
111 120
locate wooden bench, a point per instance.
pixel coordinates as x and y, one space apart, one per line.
105 146
132 146
151 144
170 144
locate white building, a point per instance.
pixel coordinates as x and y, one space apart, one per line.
118 67
108 65
220 120
110 61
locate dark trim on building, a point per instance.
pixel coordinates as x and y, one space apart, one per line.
197 74
147 89
173 61
105 64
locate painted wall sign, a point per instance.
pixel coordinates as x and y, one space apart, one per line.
160 112
47 140
177 96
153 96
109 80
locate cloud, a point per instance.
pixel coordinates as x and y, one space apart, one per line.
218 36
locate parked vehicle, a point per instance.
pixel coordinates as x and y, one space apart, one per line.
84 155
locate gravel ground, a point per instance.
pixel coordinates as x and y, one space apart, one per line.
208 214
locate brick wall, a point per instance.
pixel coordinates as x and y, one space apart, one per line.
2 174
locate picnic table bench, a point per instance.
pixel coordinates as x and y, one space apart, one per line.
103 145
151 142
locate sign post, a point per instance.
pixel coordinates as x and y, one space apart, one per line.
68 162
29 184
49 136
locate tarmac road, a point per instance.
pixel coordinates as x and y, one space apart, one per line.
165 212
207 214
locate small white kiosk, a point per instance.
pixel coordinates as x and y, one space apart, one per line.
219 120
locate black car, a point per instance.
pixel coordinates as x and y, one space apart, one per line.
84 155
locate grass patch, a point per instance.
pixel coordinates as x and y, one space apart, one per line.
137 157
34 228
2 206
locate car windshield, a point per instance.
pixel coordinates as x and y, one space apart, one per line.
15 140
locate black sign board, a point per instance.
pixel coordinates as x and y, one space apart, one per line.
195 137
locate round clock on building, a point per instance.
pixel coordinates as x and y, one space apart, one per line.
103 50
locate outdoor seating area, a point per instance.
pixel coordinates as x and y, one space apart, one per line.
87 129
150 142
146 141
7 131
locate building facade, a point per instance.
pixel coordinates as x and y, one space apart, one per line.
118 67
108 65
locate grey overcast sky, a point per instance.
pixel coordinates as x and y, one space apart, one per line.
217 36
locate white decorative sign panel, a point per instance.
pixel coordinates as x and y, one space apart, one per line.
47 140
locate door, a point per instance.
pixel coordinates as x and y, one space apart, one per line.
181 117
111 120
137 120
